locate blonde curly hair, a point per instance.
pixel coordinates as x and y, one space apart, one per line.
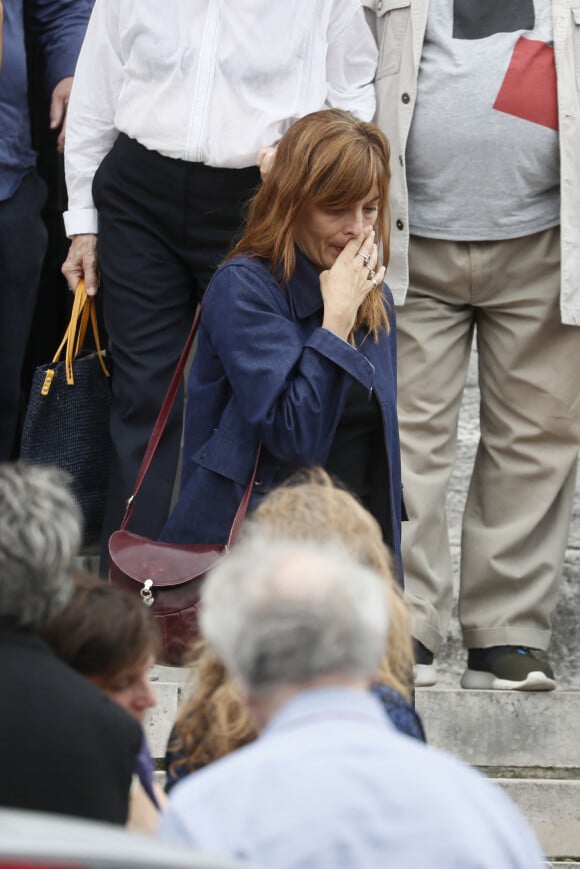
213 721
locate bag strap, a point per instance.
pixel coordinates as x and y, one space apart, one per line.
72 324
159 428
74 338
244 503
83 309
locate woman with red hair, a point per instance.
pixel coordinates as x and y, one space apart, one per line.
296 349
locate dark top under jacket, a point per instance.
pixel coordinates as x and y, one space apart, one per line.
65 747
265 371
358 459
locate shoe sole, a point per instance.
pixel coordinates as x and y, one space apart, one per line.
534 681
424 675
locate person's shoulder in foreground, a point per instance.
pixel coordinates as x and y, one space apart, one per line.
64 747
68 748
329 783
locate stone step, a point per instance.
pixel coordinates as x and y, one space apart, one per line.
504 728
160 719
526 742
552 807
485 728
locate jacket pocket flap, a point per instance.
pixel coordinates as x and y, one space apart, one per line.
228 456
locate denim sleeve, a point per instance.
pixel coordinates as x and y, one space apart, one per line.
289 382
59 27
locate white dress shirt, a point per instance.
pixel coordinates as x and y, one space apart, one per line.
210 81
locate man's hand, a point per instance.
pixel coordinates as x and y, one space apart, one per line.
58 107
81 262
265 161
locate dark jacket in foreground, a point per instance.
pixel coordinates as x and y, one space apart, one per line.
64 746
266 372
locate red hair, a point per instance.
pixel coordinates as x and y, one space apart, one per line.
327 159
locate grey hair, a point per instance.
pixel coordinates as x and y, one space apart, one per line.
40 534
286 612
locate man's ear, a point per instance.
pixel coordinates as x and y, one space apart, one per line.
257 708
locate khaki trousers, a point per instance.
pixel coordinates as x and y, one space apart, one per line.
517 515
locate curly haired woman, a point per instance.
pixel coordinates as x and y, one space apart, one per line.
213 721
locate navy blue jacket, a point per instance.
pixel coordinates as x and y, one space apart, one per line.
266 372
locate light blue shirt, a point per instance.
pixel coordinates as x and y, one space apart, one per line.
331 784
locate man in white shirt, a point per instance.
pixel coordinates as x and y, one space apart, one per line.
329 782
171 106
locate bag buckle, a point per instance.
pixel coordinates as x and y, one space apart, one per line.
146 593
47 382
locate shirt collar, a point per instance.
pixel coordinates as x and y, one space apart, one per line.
329 703
304 288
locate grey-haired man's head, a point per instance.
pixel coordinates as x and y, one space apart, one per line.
282 614
40 534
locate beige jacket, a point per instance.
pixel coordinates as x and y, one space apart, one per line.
399 27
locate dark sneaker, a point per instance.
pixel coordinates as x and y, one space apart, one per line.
508 668
424 671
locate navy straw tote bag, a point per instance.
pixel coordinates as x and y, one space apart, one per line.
67 417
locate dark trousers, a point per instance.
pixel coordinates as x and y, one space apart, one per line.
23 239
164 226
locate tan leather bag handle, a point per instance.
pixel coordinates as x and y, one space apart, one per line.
83 310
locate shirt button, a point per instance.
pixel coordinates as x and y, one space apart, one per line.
380 4
406 98
400 224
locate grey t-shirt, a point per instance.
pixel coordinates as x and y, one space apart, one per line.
482 154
